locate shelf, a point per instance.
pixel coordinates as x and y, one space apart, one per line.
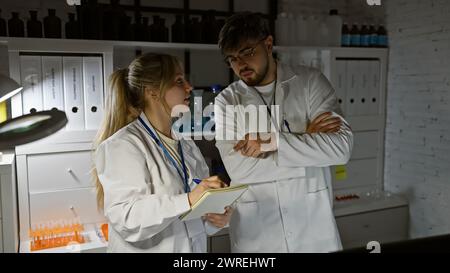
34 43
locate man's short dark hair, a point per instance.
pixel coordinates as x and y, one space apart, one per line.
241 27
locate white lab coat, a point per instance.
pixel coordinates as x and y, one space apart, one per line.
144 195
288 207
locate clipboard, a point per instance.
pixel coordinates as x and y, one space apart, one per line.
214 201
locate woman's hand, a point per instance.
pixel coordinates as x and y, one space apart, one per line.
324 123
219 220
212 182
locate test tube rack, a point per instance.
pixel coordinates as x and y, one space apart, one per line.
58 233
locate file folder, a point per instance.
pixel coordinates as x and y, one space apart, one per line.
374 86
353 84
341 85
93 91
73 93
31 78
53 93
362 101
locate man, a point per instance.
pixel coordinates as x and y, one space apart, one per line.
288 207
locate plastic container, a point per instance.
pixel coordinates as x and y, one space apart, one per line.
334 23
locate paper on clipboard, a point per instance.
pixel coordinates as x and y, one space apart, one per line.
215 201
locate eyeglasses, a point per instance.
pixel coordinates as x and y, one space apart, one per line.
245 55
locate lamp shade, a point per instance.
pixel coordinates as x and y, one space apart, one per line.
8 88
31 127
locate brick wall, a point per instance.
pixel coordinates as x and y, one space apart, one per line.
418 124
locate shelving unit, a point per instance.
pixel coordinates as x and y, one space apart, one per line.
73 147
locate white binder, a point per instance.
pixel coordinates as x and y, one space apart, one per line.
73 92
353 84
341 84
52 83
31 78
93 91
362 101
374 88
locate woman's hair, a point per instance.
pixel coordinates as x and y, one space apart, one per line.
125 97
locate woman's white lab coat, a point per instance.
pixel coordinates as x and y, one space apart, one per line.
288 207
144 195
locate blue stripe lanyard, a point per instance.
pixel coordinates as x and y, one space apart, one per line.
268 109
184 177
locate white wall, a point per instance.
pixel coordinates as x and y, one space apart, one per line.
418 123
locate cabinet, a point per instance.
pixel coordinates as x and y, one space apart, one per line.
9 228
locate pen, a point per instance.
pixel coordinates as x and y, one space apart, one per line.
196 180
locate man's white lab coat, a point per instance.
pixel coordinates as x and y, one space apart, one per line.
144 195
288 207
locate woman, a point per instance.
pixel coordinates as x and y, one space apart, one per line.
143 175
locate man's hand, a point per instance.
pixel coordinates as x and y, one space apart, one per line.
324 123
219 220
256 145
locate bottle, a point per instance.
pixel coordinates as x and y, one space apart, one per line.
313 30
16 26
355 36
145 29
324 32
72 28
292 28
155 32
163 30
112 19
2 26
34 27
195 31
382 37
92 20
301 30
126 29
281 25
52 25
346 37
365 36
178 30
373 36
138 28
334 22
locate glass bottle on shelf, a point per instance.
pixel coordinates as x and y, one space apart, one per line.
178 30
365 36
2 25
145 29
72 28
155 31
112 19
164 31
34 27
373 36
195 31
52 25
138 28
126 31
355 34
346 37
16 27
382 37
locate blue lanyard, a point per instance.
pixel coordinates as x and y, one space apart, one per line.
172 160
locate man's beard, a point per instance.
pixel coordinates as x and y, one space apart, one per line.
259 77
